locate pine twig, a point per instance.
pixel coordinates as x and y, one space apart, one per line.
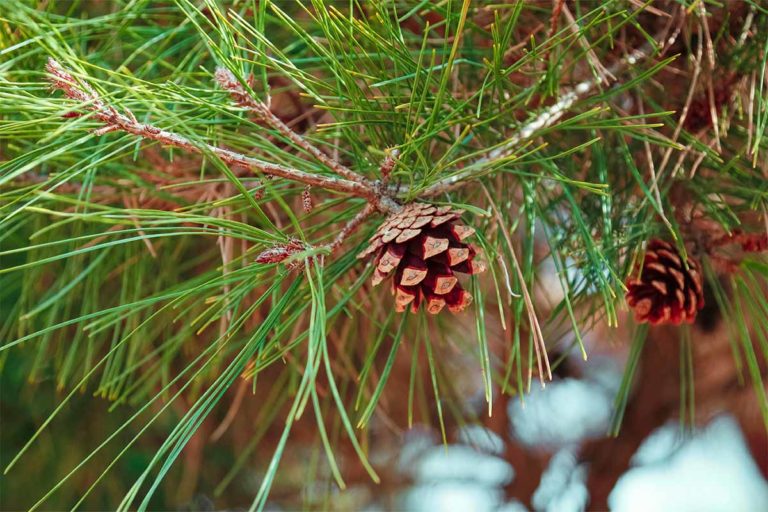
350 227
113 120
544 120
389 162
228 82
604 74
281 252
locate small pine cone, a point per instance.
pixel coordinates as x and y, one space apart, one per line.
280 252
422 246
306 199
665 291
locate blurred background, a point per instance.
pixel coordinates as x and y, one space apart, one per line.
548 450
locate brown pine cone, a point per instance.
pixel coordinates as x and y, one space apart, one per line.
422 246
665 291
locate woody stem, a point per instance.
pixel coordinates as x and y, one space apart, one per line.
243 98
351 226
114 120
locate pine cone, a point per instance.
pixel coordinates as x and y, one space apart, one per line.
422 246
665 291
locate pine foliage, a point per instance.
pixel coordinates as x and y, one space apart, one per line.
138 269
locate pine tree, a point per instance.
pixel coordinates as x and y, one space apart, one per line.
185 187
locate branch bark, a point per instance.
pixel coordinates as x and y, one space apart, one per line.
116 121
544 120
227 81
381 196
350 227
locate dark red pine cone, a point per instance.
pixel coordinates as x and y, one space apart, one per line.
422 246
666 291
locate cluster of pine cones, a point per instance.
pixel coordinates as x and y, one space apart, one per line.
422 247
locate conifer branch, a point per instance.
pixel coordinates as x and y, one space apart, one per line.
544 120
283 251
114 120
228 82
350 227
376 192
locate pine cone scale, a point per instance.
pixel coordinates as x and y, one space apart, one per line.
457 255
429 246
391 258
407 234
422 221
660 286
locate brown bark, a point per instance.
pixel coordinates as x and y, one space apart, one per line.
650 406
529 464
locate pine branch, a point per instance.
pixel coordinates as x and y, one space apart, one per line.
113 120
352 183
544 120
384 77
350 227
227 81
281 252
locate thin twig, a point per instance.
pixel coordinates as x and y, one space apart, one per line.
686 107
603 73
557 7
652 168
350 227
544 120
710 86
281 252
380 196
115 121
131 203
227 81
389 162
539 345
234 407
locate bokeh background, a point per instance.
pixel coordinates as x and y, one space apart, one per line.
547 450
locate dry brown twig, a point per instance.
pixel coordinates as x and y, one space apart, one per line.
229 82
539 345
